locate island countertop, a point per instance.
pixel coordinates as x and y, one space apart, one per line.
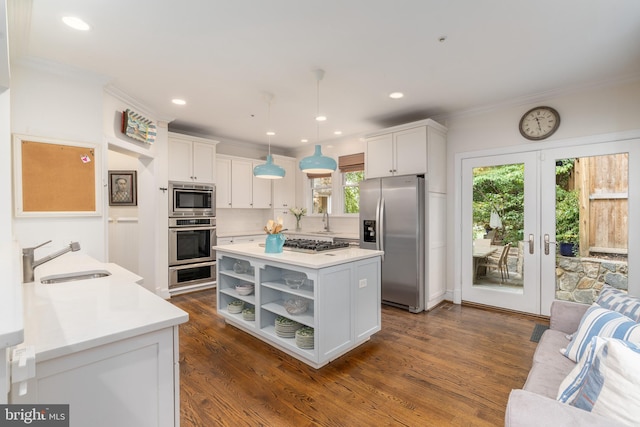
301 259
63 318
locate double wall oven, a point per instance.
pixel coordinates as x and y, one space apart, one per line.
192 233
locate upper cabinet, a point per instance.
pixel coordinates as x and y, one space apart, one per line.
236 187
191 159
284 190
414 148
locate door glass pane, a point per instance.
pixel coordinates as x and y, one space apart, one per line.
591 225
498 224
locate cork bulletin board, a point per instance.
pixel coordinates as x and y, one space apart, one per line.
55 178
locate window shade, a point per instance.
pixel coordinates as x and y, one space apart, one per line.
351 163
318 175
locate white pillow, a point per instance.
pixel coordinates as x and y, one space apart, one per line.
572 382
603 323
612 385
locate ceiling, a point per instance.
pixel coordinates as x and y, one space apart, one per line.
222 56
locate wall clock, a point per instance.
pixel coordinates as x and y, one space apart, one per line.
539 123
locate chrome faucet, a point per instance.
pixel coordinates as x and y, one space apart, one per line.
325 219
29 264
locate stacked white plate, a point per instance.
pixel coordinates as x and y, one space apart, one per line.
235 306
245 289
286 328
304 337
249 314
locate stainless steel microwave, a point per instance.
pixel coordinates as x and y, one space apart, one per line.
189 199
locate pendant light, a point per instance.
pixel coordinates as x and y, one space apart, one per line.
269 170
317 163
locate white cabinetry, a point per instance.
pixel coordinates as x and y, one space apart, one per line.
223 182
191 159
343 303
236 186
414 148
284 190
134 381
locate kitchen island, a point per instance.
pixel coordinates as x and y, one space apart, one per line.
105 346
340 288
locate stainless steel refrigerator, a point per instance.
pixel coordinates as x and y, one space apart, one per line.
392 219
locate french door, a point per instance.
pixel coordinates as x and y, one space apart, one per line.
499 192
517 208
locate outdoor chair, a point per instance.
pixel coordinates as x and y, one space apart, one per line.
500 264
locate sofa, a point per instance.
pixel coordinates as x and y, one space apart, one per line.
536 403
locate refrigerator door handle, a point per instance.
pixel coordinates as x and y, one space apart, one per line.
381 226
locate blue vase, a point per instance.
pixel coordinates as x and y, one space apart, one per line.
274 243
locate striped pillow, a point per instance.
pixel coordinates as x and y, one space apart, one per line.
612 385
617 300
603 323
571 385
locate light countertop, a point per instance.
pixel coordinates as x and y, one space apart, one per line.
64 318
315 261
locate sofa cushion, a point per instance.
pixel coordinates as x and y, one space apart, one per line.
571 385
545 380
617 300
604 323
612 385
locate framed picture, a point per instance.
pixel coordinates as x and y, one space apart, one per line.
123 188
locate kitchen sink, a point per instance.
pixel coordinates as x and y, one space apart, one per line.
78 275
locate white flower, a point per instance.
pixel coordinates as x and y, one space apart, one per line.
298 212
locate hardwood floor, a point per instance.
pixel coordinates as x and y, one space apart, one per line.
452 366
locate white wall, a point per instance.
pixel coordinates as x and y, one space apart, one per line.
150 161
59 104
590 111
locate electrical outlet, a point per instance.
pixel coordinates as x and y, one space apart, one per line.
362 283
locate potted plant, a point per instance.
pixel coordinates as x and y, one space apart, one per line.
567 221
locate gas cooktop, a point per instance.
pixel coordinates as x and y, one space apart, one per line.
312 246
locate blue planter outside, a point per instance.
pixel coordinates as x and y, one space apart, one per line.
567 249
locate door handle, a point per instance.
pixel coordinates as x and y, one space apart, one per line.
531 244
546 244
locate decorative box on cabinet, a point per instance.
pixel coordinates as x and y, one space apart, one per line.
191 159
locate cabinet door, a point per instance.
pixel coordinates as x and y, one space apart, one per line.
223 183
410 151
241 183
284 190
261 190
379 161
204 156
180 156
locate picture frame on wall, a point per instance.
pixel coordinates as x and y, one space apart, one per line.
123 188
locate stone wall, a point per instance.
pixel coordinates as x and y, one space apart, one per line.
581 279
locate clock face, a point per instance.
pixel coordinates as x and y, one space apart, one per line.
539 123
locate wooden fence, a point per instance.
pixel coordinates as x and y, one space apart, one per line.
604 193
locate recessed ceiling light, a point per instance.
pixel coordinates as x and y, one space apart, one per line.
321 118
76 23
270 133
178 101
338 132
304 140
396 95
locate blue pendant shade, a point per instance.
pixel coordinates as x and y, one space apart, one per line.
269 170
318 163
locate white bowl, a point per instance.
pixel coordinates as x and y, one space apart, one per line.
244 290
